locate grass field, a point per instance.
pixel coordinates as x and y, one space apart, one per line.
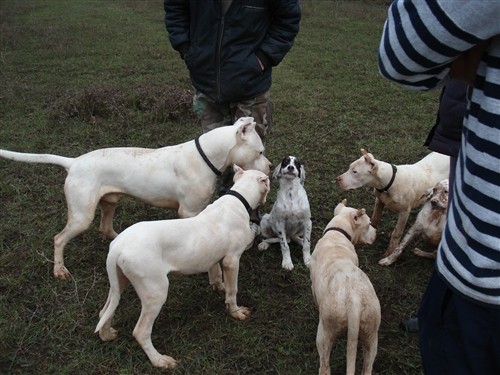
80 75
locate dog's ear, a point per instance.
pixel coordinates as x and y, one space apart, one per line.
339 207
427 195
238 172
266 186
246 128
302 172
359 214
369 159
277 172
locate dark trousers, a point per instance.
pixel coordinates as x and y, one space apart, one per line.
457 336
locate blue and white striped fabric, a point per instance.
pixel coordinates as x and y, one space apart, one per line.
420 40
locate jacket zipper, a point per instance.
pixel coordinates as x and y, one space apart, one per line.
218 59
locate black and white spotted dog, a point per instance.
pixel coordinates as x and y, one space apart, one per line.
290 217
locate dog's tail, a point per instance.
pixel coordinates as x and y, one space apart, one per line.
114 275
353 323
37 158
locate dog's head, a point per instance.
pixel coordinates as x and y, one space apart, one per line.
360 172
290 168
248 152
245 182
438 195
354 221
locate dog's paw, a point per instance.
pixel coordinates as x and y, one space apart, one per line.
218 286
61 272
241 313
255 228
287 265
164 361
387 261
307 260
108 334
263 246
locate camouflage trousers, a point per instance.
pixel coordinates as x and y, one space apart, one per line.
213 114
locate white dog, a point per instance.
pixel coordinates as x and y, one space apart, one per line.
343 293
429 224
400 188
147 252
290 217
180 177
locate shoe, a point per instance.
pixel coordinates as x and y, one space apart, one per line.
409 325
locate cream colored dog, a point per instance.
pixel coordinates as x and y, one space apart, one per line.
181 177
429 224
343 293
147 252
400 188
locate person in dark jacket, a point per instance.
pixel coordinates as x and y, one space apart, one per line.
445 138
230 48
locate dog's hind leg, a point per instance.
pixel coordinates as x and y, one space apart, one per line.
370 346
264 244
78 222
425 254
106 332
215 277
325 337
152 291
108 205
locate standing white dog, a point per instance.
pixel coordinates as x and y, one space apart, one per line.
400 188
290 217
181 177
343 293
147 252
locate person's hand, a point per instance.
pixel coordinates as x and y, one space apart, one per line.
464 67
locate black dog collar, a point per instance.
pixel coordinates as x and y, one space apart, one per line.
212 167
242 200
394 171
339 230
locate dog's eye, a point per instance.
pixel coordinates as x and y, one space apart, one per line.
354 171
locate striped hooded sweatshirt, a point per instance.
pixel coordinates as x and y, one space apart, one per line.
419 42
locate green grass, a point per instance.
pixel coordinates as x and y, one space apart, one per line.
79 75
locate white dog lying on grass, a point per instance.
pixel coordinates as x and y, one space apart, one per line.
145 253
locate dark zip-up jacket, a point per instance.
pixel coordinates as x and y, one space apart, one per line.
221 51
446 134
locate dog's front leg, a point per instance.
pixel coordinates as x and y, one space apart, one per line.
388 260
286 263
306 243
377 212
231 268
397 232
215 277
